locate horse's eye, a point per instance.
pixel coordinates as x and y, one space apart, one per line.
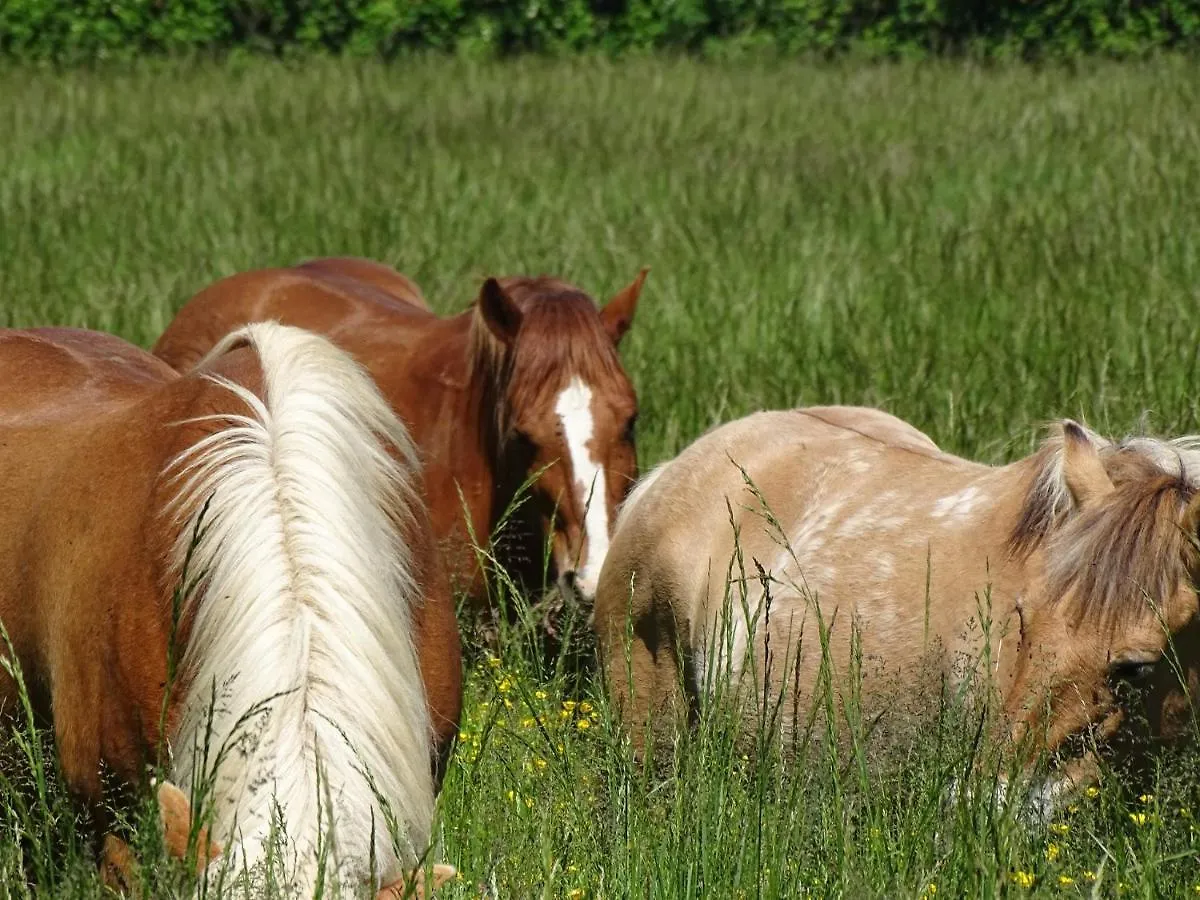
631 428
1132 671
523 440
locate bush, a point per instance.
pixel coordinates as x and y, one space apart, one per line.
70 30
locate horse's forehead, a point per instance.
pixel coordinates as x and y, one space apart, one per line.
539 384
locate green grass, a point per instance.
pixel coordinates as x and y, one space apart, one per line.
974 250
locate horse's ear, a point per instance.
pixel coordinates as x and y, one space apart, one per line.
499 311
1083 470
617 314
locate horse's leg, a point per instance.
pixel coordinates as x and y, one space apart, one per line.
119 867
645 671
439 645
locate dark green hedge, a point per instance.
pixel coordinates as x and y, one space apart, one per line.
89 29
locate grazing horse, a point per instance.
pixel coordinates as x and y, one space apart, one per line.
1065 575
526 384
229 573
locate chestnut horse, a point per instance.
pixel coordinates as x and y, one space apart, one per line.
1080 555
525 384
285 680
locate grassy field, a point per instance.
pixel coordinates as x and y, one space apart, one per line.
974 250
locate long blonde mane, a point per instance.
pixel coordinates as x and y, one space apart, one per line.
302 621
1129 548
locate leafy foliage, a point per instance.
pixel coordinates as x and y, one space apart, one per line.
100 29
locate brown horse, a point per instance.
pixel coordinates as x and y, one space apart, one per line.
526 383
1065 575
278 483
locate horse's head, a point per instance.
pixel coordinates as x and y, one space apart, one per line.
566 410
1109 644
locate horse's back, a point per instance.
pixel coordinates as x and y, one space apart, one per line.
335 297
66 373
874 424
396 285
784 458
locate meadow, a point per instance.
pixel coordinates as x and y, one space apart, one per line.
977 250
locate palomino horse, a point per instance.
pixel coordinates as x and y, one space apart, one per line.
526 381
1080 555
285 681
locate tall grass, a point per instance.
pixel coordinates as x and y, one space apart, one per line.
976 250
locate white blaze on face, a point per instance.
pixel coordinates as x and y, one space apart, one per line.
574 408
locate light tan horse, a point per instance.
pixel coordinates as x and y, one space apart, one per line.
1065 574
525 384
285 684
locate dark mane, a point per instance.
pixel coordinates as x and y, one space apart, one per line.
1129 546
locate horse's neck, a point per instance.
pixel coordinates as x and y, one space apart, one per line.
449 401
1011 578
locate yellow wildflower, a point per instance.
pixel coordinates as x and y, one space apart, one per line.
569 705
528 722
1052 851
1060 828
1065 880
1089 875
1139 819
505 685
1023 879
575 894
585 707
541 695
583 724
930 890
1093 792
494 662
1147 798
540 763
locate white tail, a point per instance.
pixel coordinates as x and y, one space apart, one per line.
302 623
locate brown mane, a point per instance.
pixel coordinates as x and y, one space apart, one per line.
1129 545
560 336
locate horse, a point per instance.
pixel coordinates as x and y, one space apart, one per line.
523 390
1064 577
228 574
